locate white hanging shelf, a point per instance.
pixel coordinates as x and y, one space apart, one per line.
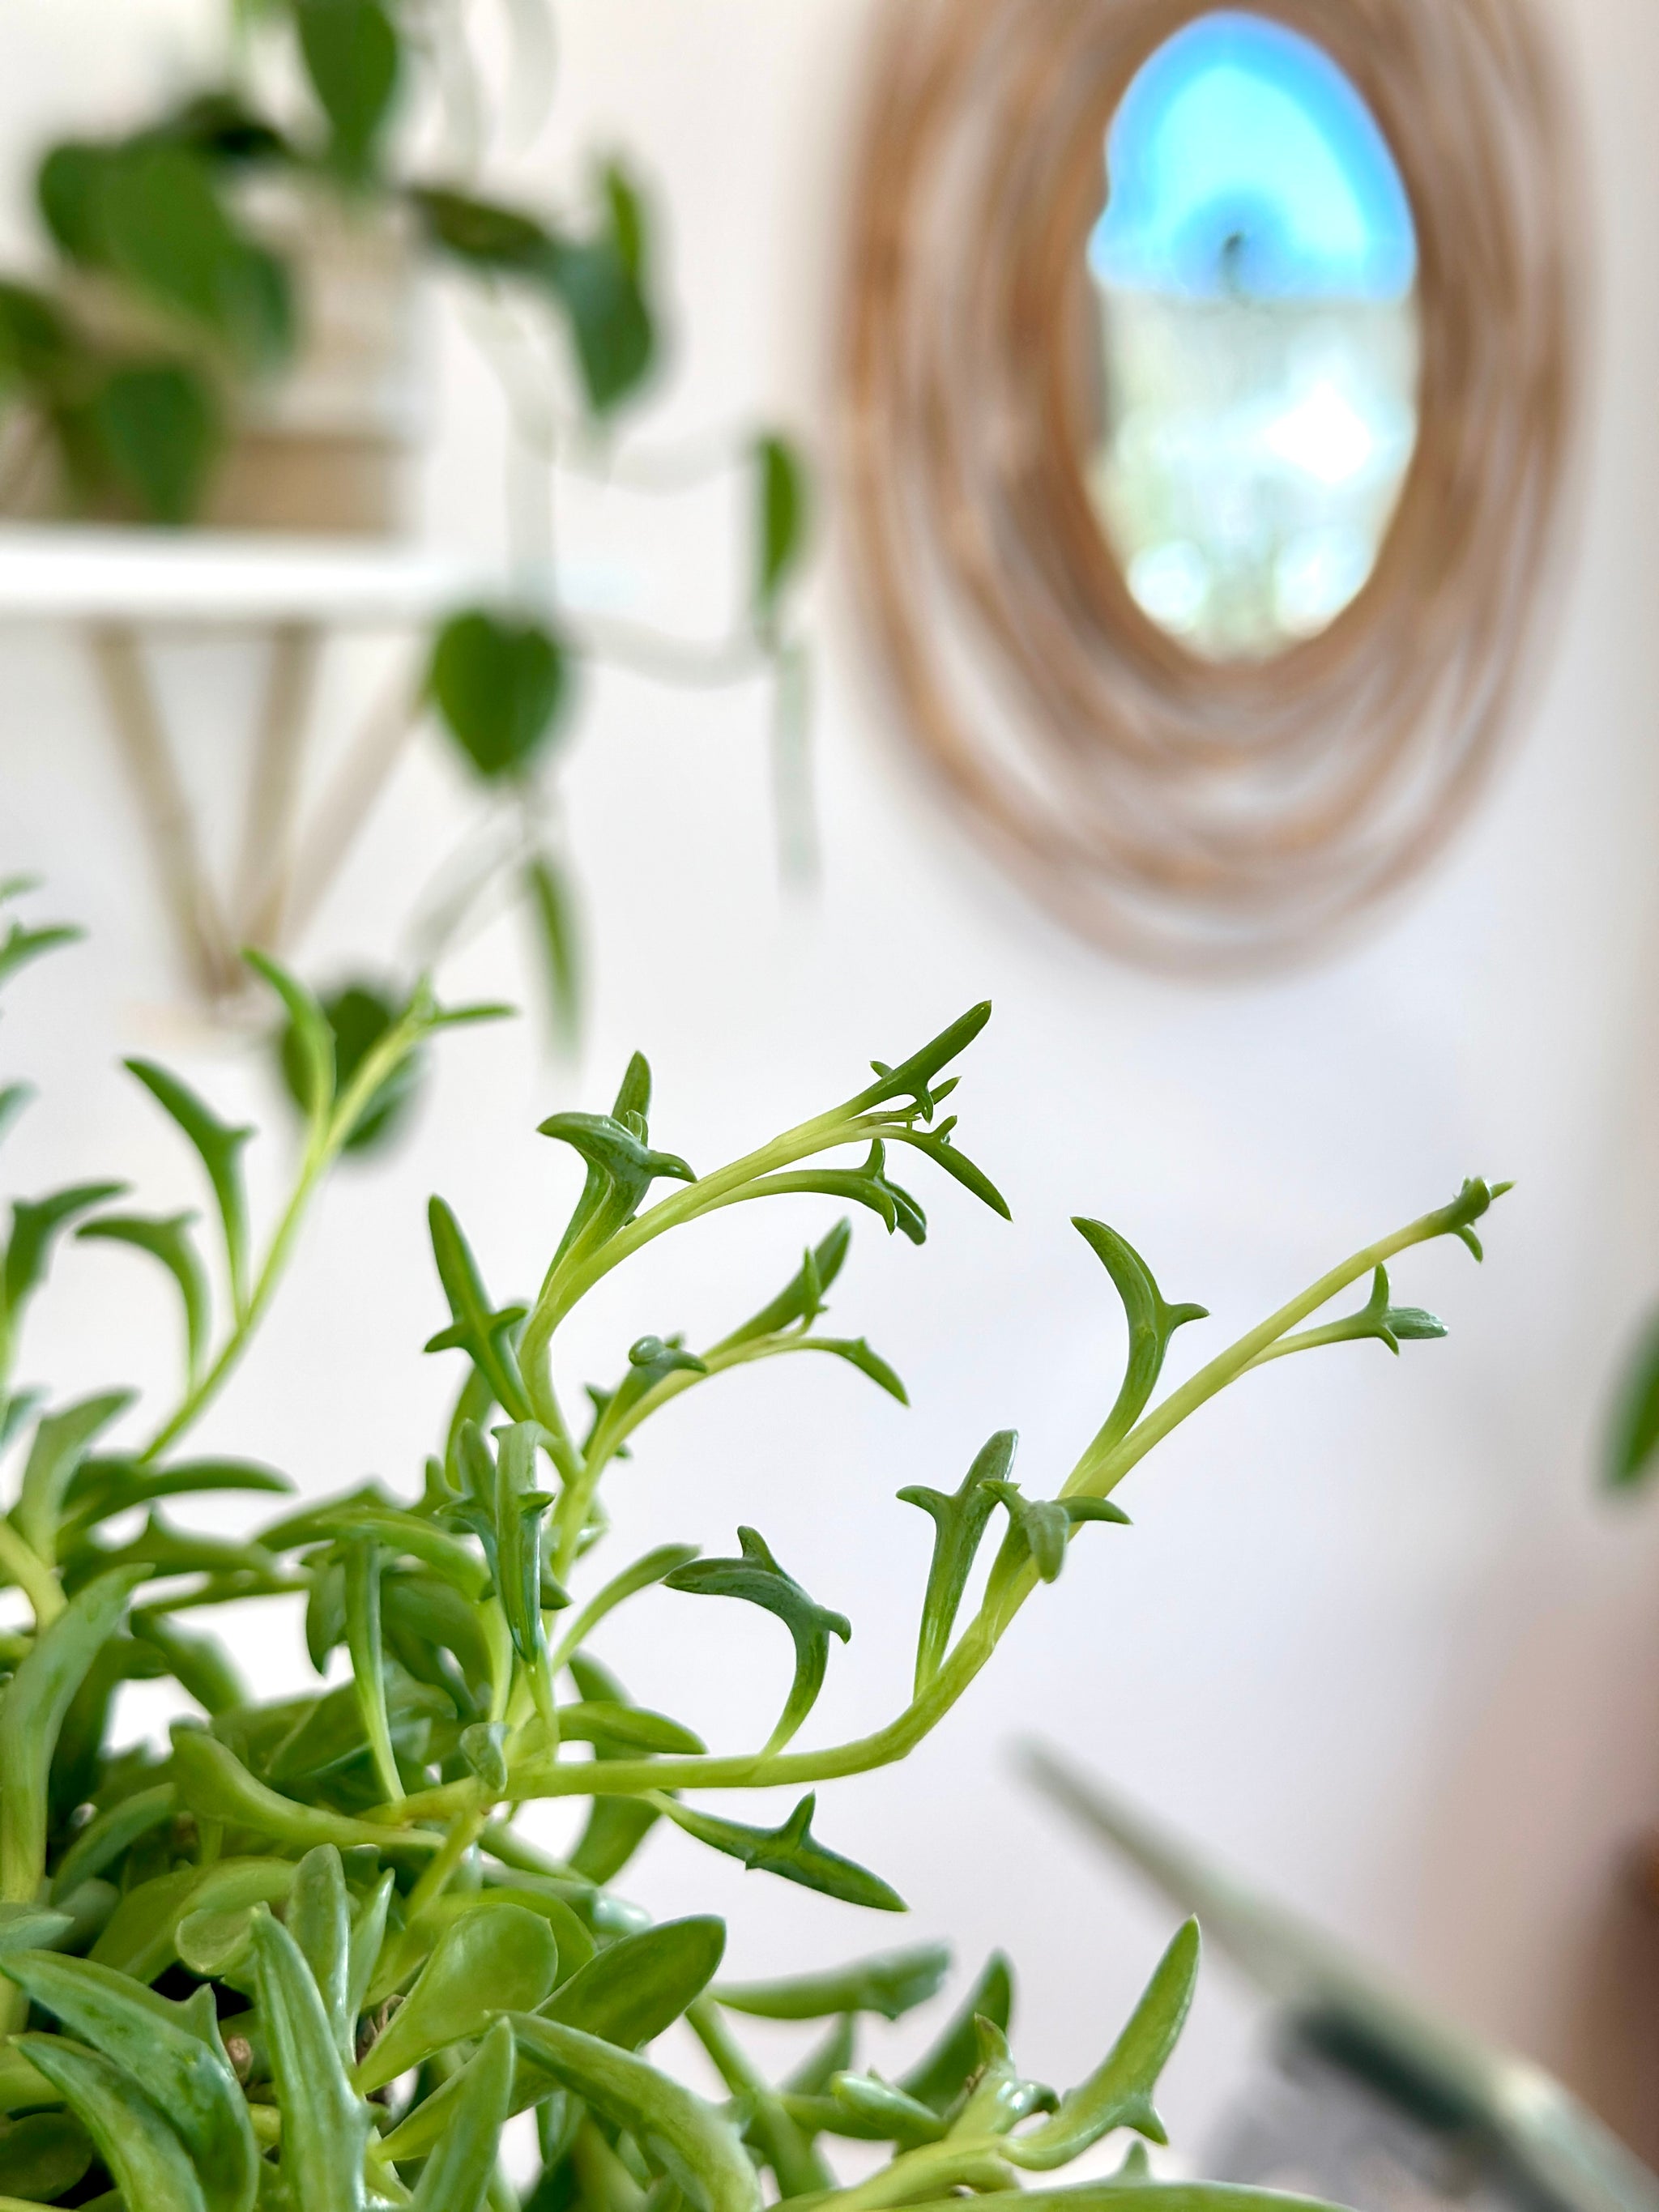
213 580
120 588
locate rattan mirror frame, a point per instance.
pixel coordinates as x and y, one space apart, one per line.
1190 814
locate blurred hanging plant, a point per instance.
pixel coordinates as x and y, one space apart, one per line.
174 305
301 1956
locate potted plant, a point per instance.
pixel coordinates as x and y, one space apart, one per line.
225 335
301 1955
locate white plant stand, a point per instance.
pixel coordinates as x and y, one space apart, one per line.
123 589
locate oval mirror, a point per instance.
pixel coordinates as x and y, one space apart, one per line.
1209 376
1254 268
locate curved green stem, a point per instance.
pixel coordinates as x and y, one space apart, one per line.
569 1281
325 1141
1095 1474
609 1435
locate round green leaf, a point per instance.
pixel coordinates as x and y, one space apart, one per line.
155 432
500 687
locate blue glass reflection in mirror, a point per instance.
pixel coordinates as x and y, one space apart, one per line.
1255 272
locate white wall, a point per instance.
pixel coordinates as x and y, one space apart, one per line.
1373 1635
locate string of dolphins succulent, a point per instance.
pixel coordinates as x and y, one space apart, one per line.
301 1956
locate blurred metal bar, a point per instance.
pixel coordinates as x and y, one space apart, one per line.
265 869
340 813
141 736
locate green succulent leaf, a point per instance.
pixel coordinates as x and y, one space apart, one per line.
17 1408
1474 1198
167 1239
790 1852
219 1145
615 1829
935 1145
325 2125
959 1518
859 1354
60 1445
913 1079
478 1328
361 1563
999 2096
108 1484
107 1838
891 1984
141 1938
801 1299
505 1510
314 1076
938 2078
651 1362
36 1224
148 2161
1119 2093
42 2156
215 1785
169 1552
686 2139
30 1927
885 2110
812 2077
319 1921
19 945
1131 2193
1152 1321
868 1185
368 1935
652 1567
1377 1319
622 1168
497 1959
31 1713
757 1579
199 1664
458 2175
636 1987
626 1729
169 2053
1040 1527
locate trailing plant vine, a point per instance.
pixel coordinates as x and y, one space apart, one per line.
172 304
301 1955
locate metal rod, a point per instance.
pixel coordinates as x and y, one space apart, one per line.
141 736
265 870
344 806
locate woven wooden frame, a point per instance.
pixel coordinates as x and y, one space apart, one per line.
1187 813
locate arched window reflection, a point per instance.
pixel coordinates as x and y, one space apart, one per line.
1256 265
